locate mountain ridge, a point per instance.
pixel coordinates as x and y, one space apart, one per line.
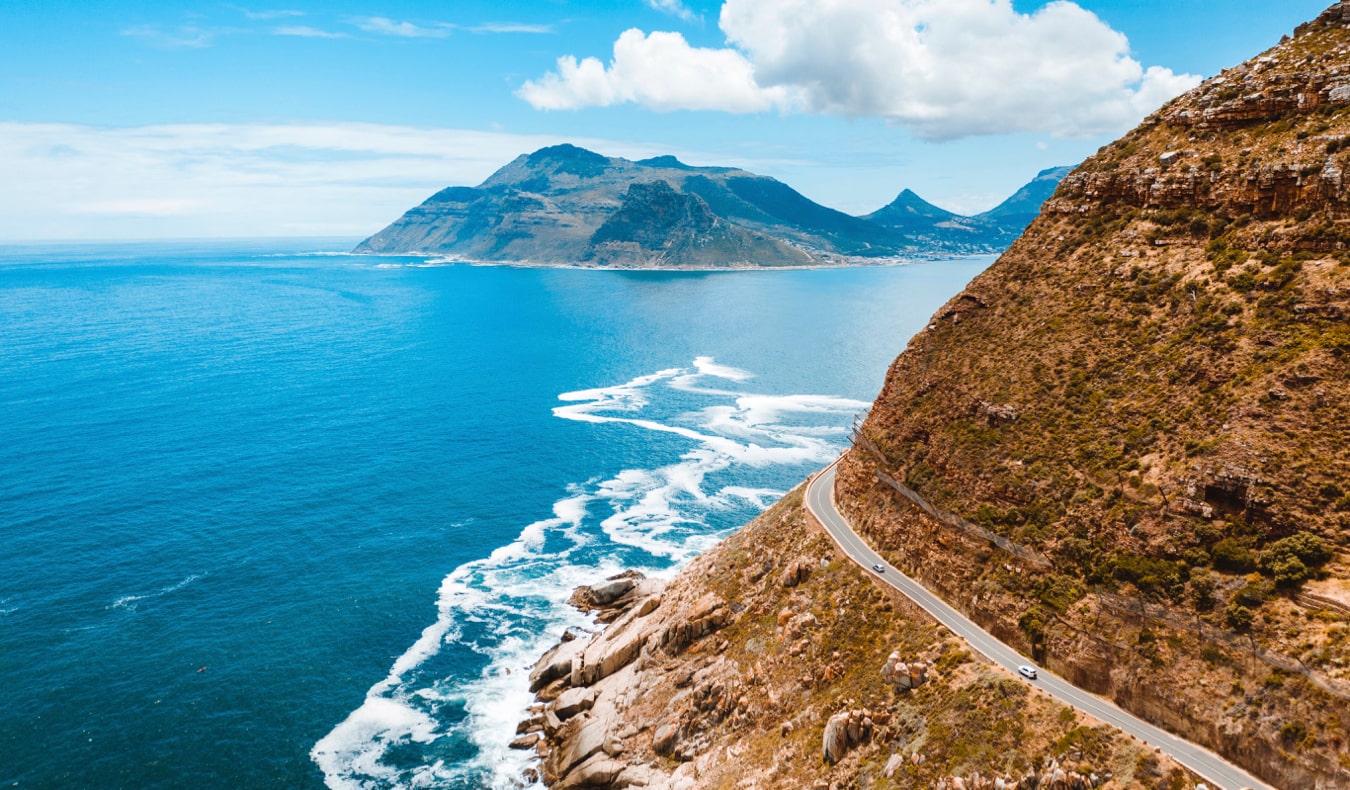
550 206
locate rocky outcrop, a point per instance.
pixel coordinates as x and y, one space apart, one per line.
845 730
902 676
1051 776
584 684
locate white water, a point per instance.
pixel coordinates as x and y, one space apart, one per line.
518 594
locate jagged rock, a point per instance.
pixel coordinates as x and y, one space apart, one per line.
798 625
843 731
998 413
573 701
583 737
552 724
610 591
708 614
532 724
599 770
666 738
834 742
893 765
526 741
904 676
799 572
555 664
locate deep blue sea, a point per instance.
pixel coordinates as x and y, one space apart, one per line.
276 516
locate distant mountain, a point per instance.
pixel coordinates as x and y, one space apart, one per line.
1025 204
924 223
565 204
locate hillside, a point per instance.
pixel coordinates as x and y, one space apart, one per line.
567 205
1150 389
772 662
1146 400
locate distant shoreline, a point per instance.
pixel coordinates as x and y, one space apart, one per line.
433 259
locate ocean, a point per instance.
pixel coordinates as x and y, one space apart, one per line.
272 515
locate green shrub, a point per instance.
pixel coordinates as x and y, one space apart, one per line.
1293 560
1239 617
1231 554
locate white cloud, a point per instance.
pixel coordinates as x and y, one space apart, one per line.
660 71
184 37
510 27
268 14
388 27
346 179
942 68
675 8
305 31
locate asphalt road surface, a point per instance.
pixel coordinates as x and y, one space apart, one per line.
1215 769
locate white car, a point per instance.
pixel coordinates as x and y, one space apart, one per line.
1027 672
879 568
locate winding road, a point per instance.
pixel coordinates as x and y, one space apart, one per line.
1215 769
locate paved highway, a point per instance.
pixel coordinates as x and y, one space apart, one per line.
820 501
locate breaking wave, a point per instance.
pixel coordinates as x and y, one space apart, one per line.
725 455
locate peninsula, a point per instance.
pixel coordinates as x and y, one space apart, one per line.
565 205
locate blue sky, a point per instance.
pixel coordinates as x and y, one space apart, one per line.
154 119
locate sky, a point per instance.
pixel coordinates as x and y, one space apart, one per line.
139 119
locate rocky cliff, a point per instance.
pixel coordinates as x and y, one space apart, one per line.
567 205
1146 400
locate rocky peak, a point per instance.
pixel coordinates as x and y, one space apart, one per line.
1264 139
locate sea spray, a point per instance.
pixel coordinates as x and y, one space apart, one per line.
420 726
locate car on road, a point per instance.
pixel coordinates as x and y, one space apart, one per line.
879 568
1027 672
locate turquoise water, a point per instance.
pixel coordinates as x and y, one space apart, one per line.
272 516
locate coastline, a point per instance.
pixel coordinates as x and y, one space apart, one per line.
438 259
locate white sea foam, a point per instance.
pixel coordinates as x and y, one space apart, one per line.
131 602
511 606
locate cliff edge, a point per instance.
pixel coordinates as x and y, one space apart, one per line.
1150 389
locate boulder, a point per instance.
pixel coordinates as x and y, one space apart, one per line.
597 771
894 764
555 664
797 572
581 739
609 592
526 741
574 701
835 740
666 738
